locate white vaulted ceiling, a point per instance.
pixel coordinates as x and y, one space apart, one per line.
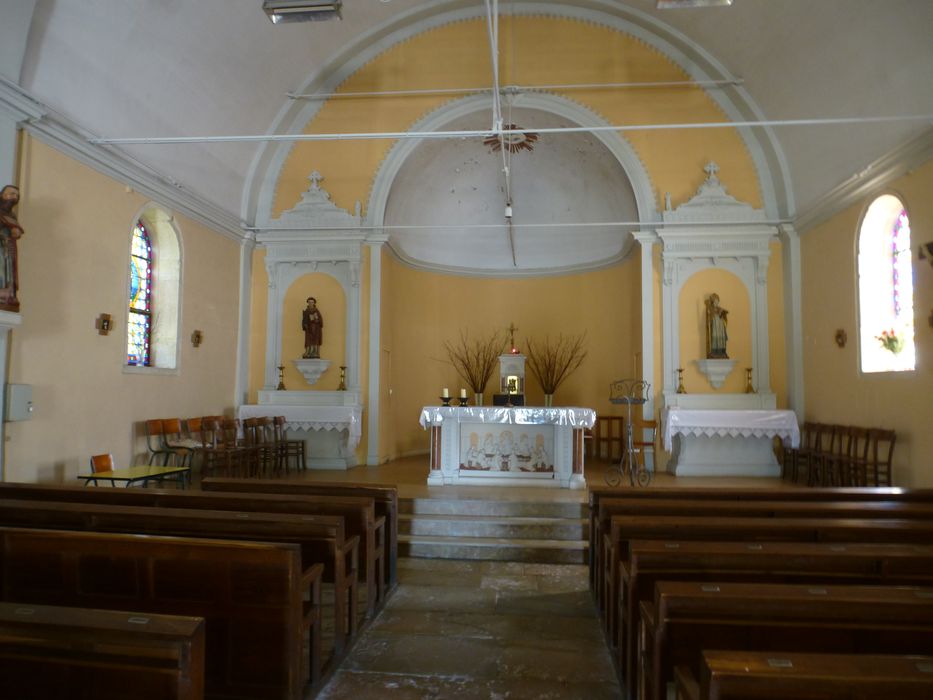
156 68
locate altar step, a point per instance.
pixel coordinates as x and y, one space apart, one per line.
493 530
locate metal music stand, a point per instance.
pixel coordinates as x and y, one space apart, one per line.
629 392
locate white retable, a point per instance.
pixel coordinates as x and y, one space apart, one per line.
714 442
518 446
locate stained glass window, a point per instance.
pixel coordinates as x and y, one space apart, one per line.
886 290
139 326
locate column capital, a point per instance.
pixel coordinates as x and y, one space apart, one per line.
646 238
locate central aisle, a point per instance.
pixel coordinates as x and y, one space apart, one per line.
481 630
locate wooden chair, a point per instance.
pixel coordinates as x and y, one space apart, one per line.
155 442
101 463
288 449
643 446
175 441
818 436
257 434
857 464
880 455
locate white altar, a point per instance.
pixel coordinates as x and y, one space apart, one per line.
716 442
331 429
502 446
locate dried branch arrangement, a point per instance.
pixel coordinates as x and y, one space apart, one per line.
475 360
552 362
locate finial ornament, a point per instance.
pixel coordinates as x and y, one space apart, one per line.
315 178
712 171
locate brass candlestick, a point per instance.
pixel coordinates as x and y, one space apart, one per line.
281 386
343 379
680 381
749 389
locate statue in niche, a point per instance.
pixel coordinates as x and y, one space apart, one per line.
716 335
10 233
312 323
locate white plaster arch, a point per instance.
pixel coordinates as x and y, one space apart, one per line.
735 101
619 147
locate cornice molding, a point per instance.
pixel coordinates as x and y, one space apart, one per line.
873 177
69 138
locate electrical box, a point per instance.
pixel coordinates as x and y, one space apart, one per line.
18 402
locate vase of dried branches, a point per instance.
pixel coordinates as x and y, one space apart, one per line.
552 361
475 360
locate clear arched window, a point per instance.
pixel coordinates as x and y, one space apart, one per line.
886 292
139 326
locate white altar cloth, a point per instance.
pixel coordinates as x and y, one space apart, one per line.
714 442
710 422
502 446
309 418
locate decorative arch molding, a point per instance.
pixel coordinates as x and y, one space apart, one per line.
620 148
735 102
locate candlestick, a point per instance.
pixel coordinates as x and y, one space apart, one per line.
463 393
445 393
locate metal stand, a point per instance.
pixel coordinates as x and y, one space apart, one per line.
629 392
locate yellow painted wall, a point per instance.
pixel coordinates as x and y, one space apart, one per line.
836 392
428 309
73 266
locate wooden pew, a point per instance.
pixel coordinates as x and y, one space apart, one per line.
358 513
751 675
608 507
650 561
384 496
597 493
686 618
257 600
321 538
52 651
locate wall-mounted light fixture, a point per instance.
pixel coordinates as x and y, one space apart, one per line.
841 337
196 338
104 324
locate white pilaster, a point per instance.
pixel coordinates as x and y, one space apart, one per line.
375 349
8 321
793 319
241 389
647 239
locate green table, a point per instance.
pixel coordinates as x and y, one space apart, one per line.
141 474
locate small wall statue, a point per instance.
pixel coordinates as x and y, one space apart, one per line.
716 329
10 233
312 323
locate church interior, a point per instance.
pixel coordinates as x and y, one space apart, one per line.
250 208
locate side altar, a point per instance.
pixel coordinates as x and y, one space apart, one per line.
507 446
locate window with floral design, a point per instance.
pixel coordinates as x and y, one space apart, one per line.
885 286
139 324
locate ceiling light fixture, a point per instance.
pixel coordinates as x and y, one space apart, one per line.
679 4
285 11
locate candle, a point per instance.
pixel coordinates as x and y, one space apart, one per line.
463 393
445 393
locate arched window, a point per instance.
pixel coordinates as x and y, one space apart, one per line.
139 325
154 293
886 291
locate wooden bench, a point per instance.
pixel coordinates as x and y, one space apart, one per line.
609 507
597 493
687 618
385 498
751 675
651 561
358 513
258 602
50 651
623 529
321 538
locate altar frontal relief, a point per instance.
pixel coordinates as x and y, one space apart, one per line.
507 449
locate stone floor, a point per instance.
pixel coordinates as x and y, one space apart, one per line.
481 630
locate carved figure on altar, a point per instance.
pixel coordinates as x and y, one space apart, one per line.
506 450
10 233
312 323
523 453
716 329
490 452
540 462
473 459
